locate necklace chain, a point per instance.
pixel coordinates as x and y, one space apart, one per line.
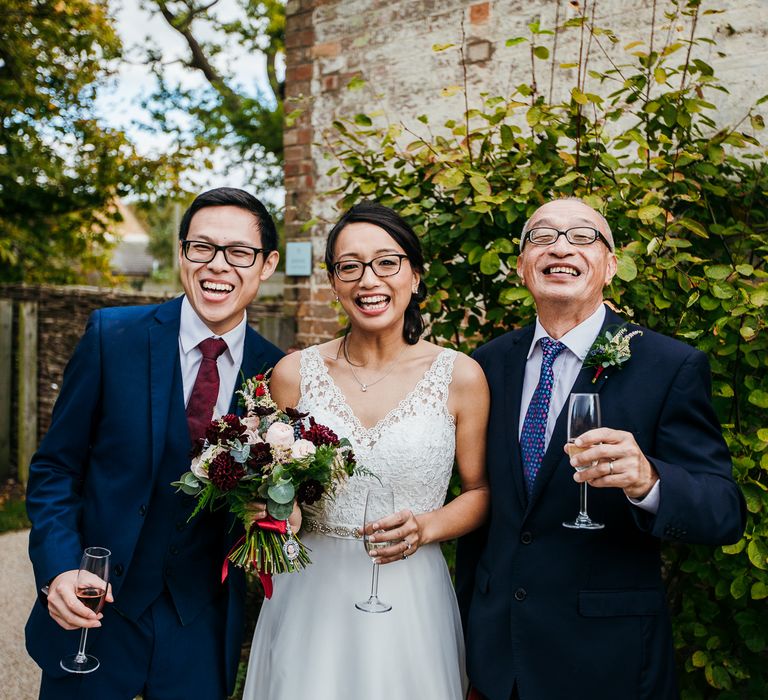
363 385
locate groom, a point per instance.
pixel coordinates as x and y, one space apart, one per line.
553 612
141 385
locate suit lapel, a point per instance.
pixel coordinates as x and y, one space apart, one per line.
555 455
163 357
514 372
254 362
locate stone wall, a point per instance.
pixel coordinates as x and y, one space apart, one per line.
388 43
62 316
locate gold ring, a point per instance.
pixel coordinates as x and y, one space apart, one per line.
610 466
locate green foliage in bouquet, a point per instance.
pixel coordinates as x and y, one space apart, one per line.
687 199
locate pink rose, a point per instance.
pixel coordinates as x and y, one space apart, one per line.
302 448
280 435
251 429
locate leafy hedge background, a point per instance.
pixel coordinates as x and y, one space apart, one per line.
687 199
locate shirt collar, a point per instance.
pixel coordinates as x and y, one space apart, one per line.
192 331
579 339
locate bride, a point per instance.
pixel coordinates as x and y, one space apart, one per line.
409 408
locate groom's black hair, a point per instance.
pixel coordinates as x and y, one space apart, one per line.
233 197
385 218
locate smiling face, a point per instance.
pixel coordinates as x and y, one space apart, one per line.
564 278
372 303
218 291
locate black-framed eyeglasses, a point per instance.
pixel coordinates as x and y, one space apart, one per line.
577 235
382 266
235 255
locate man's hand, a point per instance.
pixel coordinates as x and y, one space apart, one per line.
64 606
613 459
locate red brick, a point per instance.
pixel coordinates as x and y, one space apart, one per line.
329 49
479 13
298 73
304 135
331 82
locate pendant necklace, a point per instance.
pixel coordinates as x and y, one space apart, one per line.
363 385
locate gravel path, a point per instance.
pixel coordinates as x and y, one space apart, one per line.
19 675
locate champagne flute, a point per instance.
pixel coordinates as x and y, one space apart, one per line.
92 581
583 415
379 503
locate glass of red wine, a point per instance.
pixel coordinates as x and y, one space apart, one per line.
92 579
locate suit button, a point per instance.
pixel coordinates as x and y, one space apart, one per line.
167 571
526 538
174 550
180 525
142 510
119 570
520 594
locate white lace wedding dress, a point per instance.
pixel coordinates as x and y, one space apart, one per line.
311 643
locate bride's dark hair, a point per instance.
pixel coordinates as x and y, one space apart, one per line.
385 218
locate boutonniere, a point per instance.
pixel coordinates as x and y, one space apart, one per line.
610 350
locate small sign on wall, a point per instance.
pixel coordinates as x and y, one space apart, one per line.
298 258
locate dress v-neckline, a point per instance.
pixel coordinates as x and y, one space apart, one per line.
389 416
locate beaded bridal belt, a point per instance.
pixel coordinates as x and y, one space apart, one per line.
330 530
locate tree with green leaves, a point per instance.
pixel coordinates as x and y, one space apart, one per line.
687 198
231 113
60 168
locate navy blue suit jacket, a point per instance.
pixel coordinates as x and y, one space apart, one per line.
576 613
95 469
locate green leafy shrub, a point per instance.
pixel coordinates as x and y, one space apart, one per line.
688 201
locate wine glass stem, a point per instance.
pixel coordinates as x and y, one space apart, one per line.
583 499
375 581
81 657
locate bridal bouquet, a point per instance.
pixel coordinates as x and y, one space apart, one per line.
273 455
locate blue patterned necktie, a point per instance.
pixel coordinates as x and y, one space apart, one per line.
535 423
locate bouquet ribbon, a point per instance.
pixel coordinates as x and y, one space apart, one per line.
266 523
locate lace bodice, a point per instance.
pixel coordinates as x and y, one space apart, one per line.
411 449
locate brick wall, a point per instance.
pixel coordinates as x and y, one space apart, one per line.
389 44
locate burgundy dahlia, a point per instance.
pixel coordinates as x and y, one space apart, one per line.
224 472
260 456
319 434
309 491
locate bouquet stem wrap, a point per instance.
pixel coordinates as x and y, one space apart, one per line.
263 550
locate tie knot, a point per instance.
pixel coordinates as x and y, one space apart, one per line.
550 349
212 348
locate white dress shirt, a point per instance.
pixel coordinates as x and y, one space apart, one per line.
192 332
565 369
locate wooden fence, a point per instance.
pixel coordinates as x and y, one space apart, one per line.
39 328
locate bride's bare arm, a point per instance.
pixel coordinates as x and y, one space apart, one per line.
285 381
469 402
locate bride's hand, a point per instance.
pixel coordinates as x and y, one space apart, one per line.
258 511
403 533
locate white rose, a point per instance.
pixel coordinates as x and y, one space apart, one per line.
280 435
198 468
302 448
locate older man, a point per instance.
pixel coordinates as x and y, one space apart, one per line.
554 612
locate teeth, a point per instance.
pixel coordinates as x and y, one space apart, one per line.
373 301
566 270
217 287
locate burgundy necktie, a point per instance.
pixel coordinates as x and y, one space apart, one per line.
204 394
